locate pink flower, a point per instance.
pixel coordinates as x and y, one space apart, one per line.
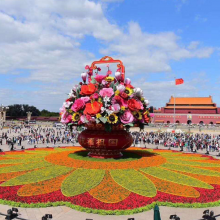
119 100
109 72
87 67
104 82
99 78
63 110
142 107
115 108
121 88
84 75
106 92
83 118
94 96
66 118
77 105
118 75
85 98
127 117
127 81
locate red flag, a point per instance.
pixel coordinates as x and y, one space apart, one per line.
179 81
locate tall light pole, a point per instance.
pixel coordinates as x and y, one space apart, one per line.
28 116
3 110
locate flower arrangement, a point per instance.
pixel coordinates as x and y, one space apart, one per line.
105 99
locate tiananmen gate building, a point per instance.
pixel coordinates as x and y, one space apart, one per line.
189 110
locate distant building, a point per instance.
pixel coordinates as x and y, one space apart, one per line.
189 110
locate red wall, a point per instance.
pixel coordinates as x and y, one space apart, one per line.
192 111
183 118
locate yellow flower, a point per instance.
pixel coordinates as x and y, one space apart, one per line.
142 98
98 115
109 79
112 119
99 99
122 108
76 116
117 92
137 114
128 91
147 112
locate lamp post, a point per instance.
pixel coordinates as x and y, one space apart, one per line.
3 110
29 116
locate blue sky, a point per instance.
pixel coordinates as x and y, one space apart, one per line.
45 46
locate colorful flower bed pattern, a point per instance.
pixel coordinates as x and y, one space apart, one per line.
143 177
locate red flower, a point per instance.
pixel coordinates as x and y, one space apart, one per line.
134 105
146 118
87 67
124 95
93 108
88 89
129 86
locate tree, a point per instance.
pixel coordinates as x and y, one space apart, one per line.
47 113
18 110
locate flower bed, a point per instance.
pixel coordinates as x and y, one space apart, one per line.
134 184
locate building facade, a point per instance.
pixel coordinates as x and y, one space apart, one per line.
189 110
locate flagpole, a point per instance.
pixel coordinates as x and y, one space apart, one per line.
174 116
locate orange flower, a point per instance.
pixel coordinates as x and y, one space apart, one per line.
93 108
88 89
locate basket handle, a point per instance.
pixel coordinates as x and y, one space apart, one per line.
107 59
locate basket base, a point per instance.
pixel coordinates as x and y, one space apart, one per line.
112 155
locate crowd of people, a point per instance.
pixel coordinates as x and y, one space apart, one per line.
36 135
184 141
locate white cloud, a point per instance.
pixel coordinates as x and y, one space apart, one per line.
44 38
159 92
145 52
199 18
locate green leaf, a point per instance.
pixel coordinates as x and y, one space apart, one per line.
175 177
97 120
189 169
93 81
192 163
134 181
38 175
112 85
81 180
25 167
130 124
103 119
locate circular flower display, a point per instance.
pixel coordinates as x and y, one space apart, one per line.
131 184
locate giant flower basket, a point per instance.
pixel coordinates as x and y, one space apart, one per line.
107 106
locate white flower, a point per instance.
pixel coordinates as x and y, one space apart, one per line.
103 109
121 88
146 102
138 92
71 94
67 104
118 75
109 112
75 87
106 99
